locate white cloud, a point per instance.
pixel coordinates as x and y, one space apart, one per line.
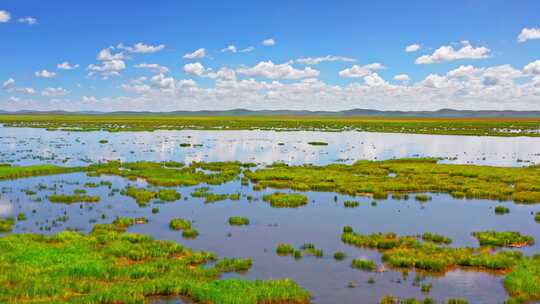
528 34
357 71
269 42
28 20
200 53
448 53
8 84
194 68
187 83
107 55
142 48
402 77
270 70
154 67
532 68
412 48
317 60
5 16
230 48
45 74
54 92
67 66
248 49
107 68
163 82
29 91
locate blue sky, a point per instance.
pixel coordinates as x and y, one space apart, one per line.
462 54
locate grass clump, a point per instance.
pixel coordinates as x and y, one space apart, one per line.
210 197
286 200
422 197
416 175
180 224
14 172
503 238
436 238
284 249
351 204
339 255
169 195
75 198
364 264
233 265
318 143
190 233
112 266
238 221
142 196
500 209
6 224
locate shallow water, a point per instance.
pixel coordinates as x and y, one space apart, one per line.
30 146
320 222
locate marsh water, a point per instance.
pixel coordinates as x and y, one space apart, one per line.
320 222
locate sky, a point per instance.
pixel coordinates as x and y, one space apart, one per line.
159 55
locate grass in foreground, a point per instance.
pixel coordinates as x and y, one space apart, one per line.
111 266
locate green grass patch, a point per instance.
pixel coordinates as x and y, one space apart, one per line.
286 200
238 221
503 238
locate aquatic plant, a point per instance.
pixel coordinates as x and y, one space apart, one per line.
210 197
422 197
284 249
180 224
169 195
238 221
351 204
190 233
14 172
364 264
233 265
6 224
75 198
420 175
21 217
436 238
523 283
499 209
339 255
286 200
318 143
503 238
111 266
142 196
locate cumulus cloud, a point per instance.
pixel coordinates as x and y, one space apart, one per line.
448 53
142 48
5 16
163 82
28 20
194 69
111 64
45 74
532 68
200 53
317 60
67 66
269 42
154 67
8 84
54 92
268 69
528 34
402 77
412 48
357 71
106 55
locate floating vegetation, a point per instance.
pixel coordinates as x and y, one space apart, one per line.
286 200
142 196
422 197
396 300
6 224
500 209
503 238
112 266
169 195
351 204
238 221
304 249
190 233
21 217
210 197
363 264
75 198
180 224
103 141
370 178
185 145
436 238
409 252
339 255
318 143
284 249
14 172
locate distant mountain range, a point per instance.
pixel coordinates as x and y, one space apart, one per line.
347 113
